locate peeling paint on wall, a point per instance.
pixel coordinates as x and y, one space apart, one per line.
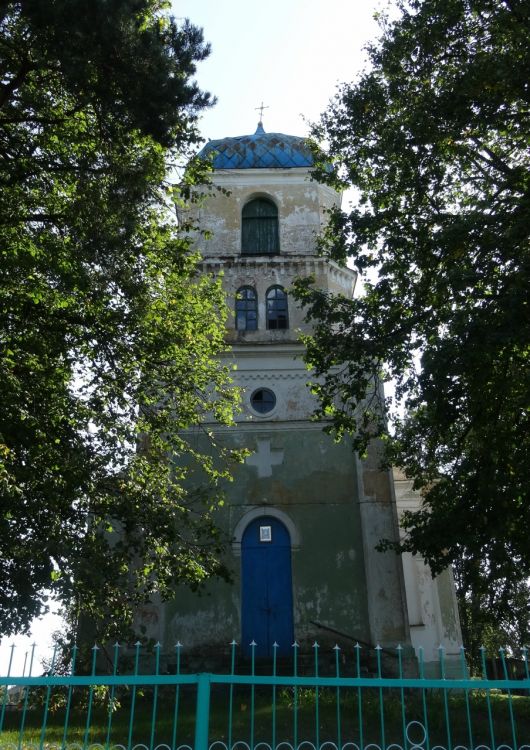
338 506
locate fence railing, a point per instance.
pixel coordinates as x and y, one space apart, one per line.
140 699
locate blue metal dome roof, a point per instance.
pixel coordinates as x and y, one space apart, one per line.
259 151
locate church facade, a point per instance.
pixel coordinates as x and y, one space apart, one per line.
303 513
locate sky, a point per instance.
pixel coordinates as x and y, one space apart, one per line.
288 54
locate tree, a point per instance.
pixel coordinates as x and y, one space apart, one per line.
493 614
435 139
108 334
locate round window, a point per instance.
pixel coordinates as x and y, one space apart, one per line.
263 400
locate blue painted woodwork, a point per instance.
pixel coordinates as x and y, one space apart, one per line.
246 309
259 228
259 151
266 589
276 301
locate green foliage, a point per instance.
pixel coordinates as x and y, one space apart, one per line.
109 336
435 139
494 613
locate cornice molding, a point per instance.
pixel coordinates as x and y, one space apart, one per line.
296 264
251 375
256 424
267 348
263 176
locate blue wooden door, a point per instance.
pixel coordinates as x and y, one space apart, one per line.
266 588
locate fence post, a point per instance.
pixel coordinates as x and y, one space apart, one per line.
202 715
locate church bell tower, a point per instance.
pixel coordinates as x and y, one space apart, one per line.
303 513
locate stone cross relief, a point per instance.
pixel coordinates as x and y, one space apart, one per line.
265 458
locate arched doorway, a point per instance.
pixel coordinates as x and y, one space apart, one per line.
266 588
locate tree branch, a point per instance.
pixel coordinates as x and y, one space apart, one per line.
7 91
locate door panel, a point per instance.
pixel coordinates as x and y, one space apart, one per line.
266 588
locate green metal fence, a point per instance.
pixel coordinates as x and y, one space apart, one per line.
139 699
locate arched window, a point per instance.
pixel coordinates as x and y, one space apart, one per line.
246 309
277 314
259 231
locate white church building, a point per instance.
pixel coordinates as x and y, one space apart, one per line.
304 514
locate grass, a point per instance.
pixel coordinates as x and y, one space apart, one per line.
338 721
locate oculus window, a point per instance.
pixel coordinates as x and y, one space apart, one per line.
259 231
246 309
263 400
277 313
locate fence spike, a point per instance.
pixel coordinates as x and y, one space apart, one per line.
33 647
75 649
464 670
422 685
420 663
253 643
12 647
178 644
94 650
525 657
441 657
233 642
95 647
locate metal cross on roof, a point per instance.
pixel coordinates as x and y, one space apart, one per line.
261 108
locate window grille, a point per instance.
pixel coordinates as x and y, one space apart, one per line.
263 400
259 235
277 314
246 309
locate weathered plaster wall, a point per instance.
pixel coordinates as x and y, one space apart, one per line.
279 367
296 470
336 507
384 575
431 602
301 204
264 272
312 482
